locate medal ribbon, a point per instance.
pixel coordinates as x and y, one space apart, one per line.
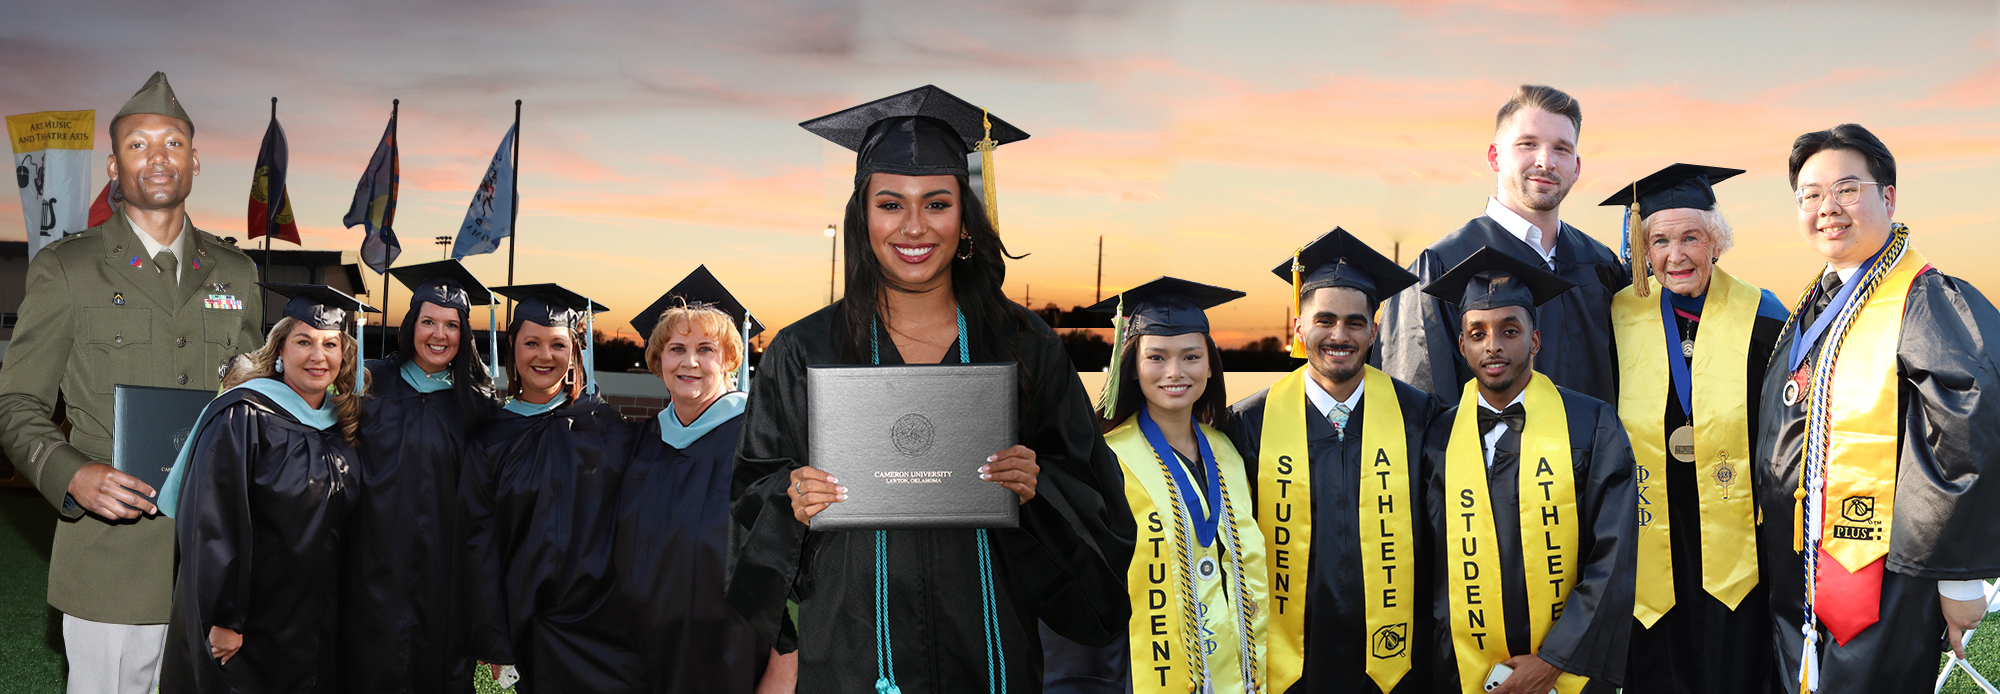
1548 535
1677 361
1209 513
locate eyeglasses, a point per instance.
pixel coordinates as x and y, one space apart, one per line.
1845 194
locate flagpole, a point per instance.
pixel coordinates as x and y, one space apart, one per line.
269 200
514 208
390 260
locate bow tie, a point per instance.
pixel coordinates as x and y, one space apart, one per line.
1515 417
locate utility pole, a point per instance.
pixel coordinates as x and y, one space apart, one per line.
1099 296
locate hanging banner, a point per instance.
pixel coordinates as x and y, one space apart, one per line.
491 217
52 162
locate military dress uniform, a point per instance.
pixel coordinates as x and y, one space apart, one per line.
97 314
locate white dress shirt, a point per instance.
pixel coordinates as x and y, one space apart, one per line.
1493 437
153 246
1325 400
1524 230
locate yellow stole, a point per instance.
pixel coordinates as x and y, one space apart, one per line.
1548 534
1860 490
1721 439
1388 561
1161 658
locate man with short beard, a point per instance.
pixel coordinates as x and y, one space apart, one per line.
1531 504
1330 451
1534 156
143 299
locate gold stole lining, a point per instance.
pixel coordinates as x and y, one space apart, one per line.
1284 486
1160 662
1721 439
1479 634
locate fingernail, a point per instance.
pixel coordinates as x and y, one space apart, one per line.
842 490
992 458
985 468
834 480
985 477
843 497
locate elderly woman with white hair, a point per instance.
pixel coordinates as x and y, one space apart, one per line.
1690 412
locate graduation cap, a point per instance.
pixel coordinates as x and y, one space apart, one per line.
1681 186
446 283
324 308
1491 279
157 98
1338 259
319 306
550 305
922 132
1164 306
699 290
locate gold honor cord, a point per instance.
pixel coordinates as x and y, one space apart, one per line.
1163 630
1284 498
1383 521
1547 496
985 146
1721 440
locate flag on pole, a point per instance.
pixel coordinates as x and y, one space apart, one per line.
268 183
490 218
52 158
100 210
375 204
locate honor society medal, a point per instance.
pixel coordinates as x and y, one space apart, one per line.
1206 568
1681 444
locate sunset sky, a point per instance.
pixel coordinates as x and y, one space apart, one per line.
1204 140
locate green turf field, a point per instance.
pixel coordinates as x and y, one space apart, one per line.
31 632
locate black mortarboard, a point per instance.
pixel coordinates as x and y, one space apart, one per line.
1166 306
922 132
1678 186
1337 259
446 283
1492 279
550 305
319 306
699 289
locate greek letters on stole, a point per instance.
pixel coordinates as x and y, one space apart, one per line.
1386 544
1721 439
1547 490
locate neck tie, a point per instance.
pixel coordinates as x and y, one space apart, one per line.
1829 285
1339 418
1514 416
169 273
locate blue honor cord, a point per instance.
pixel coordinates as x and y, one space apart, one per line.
1210 513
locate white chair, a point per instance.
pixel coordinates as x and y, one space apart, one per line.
1952 660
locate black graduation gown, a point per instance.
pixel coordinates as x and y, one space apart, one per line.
401 627
1593 634
259 533
671 548
1420 332
1336 624
1947 522
1701 645
538 496
1065 564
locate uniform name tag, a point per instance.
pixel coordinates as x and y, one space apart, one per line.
223 301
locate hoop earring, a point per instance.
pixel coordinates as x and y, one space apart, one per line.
966 253
279 365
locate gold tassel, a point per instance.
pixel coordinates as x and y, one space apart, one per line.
1635 240
985 147
1107 397
1298 272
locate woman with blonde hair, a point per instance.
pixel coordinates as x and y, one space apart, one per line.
537 492
672 542
261 490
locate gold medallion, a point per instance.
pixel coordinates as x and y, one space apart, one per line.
1680 444
1791 393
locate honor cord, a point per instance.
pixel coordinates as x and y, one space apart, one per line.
885 659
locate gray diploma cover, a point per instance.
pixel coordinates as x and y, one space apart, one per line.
907 443
150 425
